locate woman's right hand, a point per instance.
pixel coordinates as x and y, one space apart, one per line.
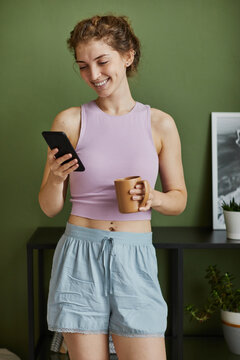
60 172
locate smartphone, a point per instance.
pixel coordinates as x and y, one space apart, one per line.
58 139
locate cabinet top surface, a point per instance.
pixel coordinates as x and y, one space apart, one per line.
163 237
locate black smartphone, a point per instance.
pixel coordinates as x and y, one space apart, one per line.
58 139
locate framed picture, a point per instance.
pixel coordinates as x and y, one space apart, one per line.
225 162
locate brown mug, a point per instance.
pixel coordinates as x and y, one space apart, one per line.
125 202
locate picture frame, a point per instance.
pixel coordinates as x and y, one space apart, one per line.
225 127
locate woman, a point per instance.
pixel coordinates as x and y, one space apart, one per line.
104 276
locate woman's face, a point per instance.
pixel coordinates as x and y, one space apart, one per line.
101 67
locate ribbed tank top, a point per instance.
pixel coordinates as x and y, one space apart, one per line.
111 147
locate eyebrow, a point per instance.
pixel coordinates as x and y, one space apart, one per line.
80 61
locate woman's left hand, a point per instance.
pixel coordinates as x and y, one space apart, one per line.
138 193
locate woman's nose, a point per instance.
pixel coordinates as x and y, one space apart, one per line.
95 73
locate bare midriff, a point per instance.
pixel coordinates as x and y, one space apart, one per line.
138 226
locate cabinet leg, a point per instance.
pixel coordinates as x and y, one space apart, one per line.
177 302
30 303
41 308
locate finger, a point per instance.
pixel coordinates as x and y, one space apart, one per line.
147 207
63 158
143 208
54 151
51 154
137 191
71 169
55 164
140 196
68 165
137 197
63 170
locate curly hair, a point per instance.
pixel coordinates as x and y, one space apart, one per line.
116 31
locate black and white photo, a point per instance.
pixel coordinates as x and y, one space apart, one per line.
225 162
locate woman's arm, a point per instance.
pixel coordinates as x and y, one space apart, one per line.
55 180
173 198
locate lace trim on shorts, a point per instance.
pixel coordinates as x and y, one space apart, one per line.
103 332
139 335
62 330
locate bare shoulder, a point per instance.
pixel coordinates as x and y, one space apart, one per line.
66 120
161 121
69 121
163 126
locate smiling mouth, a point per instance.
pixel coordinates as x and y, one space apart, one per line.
101 84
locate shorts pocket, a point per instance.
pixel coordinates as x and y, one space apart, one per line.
80 286
74 300
154 262
147 264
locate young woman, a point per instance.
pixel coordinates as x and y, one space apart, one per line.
104 277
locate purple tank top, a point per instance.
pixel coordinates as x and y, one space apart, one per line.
111 147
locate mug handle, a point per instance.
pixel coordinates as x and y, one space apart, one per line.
146 186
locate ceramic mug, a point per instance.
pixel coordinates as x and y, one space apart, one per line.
125 202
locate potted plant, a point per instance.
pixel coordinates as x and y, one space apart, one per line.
224 297
231 212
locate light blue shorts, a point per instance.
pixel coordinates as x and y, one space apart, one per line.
106 282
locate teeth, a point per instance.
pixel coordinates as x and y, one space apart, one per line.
101 83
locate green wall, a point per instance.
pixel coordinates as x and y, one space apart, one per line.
189 68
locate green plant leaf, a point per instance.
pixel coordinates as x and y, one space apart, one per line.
222 295
231 206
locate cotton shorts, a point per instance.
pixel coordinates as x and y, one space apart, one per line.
106 282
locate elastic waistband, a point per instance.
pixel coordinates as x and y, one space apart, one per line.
85 233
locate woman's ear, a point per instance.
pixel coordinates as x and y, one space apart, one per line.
129 57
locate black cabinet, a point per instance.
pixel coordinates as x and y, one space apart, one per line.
174 239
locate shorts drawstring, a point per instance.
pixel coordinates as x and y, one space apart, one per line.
101 252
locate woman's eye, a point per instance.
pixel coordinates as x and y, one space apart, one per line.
101 63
